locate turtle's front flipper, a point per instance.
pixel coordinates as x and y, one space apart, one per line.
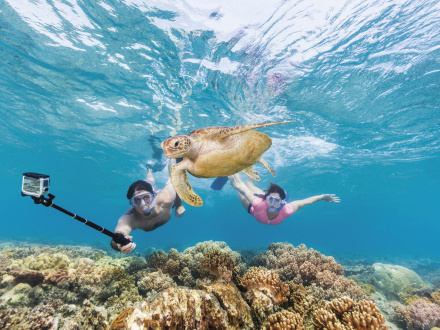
250 172
266 165
182 186
228 131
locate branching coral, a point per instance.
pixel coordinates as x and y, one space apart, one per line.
424 315
341 305
154 282
298 299
343 313
323 319
365 315
284 320
44 261
180 308
219 264
300 264
40 317
266 282
61 277
184 267
330 286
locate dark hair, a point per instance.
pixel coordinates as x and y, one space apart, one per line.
138 185
274 188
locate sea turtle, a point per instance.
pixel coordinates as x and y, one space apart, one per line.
216 152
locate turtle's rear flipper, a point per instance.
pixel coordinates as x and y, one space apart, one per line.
250 172
266 165
183 188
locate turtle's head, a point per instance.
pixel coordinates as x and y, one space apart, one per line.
176 146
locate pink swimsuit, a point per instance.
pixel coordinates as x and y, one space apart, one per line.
258 209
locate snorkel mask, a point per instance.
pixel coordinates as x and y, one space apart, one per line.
274 203
146 200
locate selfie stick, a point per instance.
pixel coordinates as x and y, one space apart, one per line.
117 237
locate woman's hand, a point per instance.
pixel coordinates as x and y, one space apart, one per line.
331 198
128 247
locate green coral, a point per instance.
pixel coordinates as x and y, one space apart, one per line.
391 280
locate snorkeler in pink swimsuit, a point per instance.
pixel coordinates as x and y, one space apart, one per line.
271 207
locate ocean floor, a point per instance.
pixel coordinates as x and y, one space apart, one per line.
210 286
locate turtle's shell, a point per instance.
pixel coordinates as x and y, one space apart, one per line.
214 157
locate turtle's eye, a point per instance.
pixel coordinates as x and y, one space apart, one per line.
176 144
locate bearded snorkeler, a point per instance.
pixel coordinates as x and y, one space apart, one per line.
271 207
150 208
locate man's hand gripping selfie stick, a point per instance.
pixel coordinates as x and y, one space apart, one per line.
36 185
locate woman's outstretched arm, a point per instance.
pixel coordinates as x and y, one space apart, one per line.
298 205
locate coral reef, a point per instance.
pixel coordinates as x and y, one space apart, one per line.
421 315
31 277
284 320
219 264
392 280
185 267
178 308
264 290
263 281
343 313
152 283
231 300
300 264
329 285
205 286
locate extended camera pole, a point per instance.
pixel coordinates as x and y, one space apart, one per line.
117 237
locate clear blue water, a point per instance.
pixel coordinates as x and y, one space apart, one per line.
89 89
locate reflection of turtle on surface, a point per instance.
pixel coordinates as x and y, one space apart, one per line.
215 152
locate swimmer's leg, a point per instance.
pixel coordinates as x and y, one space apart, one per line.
243 200
250 183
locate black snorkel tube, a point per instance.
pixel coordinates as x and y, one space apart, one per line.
32 188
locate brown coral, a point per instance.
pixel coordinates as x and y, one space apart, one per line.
154 282
238 311
267 282
323 319
284 320
219 264
343 313
31 277
59 277
341 305
296 264
329 285
365 315
175 308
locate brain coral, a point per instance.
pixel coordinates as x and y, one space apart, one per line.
390 280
